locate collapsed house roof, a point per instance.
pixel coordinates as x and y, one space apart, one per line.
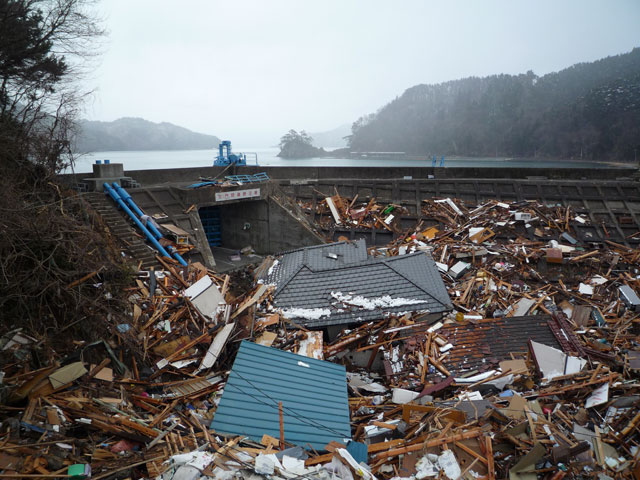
340 283
313 395
484 343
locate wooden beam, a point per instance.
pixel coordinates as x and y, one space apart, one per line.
476 432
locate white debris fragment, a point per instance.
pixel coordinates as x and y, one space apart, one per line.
425 468
264 464
585 289
448 462
449 202
195 459
599 396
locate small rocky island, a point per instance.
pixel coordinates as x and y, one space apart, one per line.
299 145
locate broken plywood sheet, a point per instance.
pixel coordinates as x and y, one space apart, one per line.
67 374
266 338
480 235
581 315
105 373
175 229
312 345
525 468
523 306
514 366
516 407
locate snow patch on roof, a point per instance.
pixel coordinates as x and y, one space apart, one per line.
372 303
306 313
272 268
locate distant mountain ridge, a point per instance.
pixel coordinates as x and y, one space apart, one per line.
332 138
587 111
138 134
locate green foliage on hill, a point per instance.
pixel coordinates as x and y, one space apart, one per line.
589 111
298 145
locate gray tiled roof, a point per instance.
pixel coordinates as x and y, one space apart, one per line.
317 258
307 278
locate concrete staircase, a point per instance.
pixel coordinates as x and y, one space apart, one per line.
120 226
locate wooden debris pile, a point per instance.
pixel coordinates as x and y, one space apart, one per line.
453 397
349 213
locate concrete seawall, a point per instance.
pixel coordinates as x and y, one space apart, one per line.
180 175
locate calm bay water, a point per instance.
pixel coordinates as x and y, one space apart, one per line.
149 160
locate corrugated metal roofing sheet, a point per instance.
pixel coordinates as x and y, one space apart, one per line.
313 393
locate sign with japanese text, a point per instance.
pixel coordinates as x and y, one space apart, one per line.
237 194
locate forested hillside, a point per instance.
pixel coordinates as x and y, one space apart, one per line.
589 111
139 134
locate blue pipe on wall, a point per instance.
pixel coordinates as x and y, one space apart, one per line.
124 195
113 194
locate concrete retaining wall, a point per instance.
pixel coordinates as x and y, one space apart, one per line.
151 177
192 175
262 224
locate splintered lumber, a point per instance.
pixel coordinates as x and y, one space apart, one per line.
471 452
99 367
162 435
318 460
165 361
167 266
379 447
476 432
262 291
490 463
456 416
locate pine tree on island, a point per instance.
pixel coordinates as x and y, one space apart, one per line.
298 145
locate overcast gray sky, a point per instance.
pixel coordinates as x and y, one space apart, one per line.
249 70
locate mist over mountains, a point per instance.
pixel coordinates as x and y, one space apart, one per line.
588 111
138 134
334 138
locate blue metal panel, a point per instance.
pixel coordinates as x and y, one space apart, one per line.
313 393
256 178
212 224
